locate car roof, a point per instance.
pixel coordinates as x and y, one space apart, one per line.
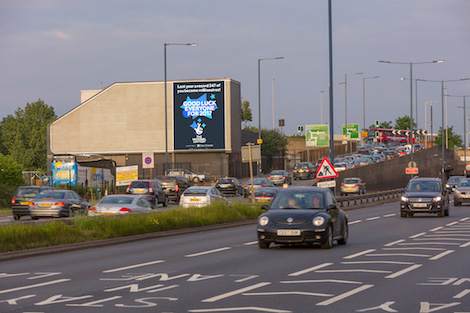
303 188
427 179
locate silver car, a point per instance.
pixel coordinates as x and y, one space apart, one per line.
353 185
198 196
462 192
57 203
121 204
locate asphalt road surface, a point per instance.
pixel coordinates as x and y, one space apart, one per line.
390 264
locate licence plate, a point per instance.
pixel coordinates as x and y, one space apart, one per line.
288 232
138 191
224 186
104 213
44 205
24 203
194 199
420 205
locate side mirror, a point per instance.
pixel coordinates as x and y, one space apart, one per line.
264 207
332 206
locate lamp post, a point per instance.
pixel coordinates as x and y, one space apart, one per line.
464 131
443 115
411 95
426 121
346 104
259 102
166 109
364 99
272 96
321 107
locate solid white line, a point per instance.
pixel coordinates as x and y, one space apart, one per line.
377 262
359 254
406 270
344 295
354 271
428 243
310 269
207 252
402 254
250 243
390 215
35 285
415 248
244 309
465 245
394 243
417 235
277 293
309 281
235 292
465 218
354 222
453 223
132 266
437 228
440 255
373 218
462 294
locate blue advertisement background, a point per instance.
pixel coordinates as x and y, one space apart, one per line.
199 115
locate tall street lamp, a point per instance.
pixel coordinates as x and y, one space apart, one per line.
443 114
321 107
166 109
426 121
464 131
364 99
259 101
411 94
346 102
416 99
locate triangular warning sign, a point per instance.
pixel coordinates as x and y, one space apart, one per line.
326 170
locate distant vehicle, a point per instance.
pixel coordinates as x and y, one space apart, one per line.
424 195
174 186
151 189
304 170
190 176
401 151
387 136
229 185
391 154
364 151
280 177
22 197
120 204
452 182
352 185
462 192
371 158
198 196
57 203
363 161
339 167
299 215
266 194
258 182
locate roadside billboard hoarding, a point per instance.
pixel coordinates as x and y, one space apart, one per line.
199 115
255 153
126 174
317 135
353 131
73 174
64 173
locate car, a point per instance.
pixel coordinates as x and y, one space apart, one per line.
462 192
300 215
363 161
174 186
229 185
190 176
258 182
391 154
304 170
424 195
352 185
57 203
339 167
22 197
120 204
452 182
152 189
401 151
266 194
372 158
280 177
198 196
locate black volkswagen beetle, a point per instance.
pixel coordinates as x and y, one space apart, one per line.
303 215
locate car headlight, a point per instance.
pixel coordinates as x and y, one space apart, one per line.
437 199
447 186
456 191
318 221
404 199
263 221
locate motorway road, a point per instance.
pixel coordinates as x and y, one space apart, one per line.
390 264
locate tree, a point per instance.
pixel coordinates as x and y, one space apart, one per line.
404 123
454 139
387 125
25 134
246 112
10 171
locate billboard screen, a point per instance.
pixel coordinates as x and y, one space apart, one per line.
199 115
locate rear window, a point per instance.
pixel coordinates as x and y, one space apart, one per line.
51 195
27 192
277 173
118 200
297 166
259 181
225 181
195 191
140 184
350 181
166 181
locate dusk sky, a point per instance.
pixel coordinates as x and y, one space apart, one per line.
52 49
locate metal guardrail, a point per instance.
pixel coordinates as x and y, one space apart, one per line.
348 201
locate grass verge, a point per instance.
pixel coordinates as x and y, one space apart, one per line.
14 237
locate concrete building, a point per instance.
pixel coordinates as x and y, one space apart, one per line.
125 120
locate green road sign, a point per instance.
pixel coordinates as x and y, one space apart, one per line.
317 135
353 131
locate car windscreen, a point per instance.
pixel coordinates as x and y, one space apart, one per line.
117 200
424 186
464 183
454 179
298 200
50 195
27 192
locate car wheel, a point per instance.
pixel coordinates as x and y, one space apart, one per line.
34 217
70 212
345 234
328 244
446 212
456 203
245 195
165 203
403 214
263 245
17 217
195 179
441 213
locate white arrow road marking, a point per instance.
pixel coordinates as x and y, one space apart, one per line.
35 285
386 307
15 301
207 252
133 266
462 294
344 295
251 308
235 292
